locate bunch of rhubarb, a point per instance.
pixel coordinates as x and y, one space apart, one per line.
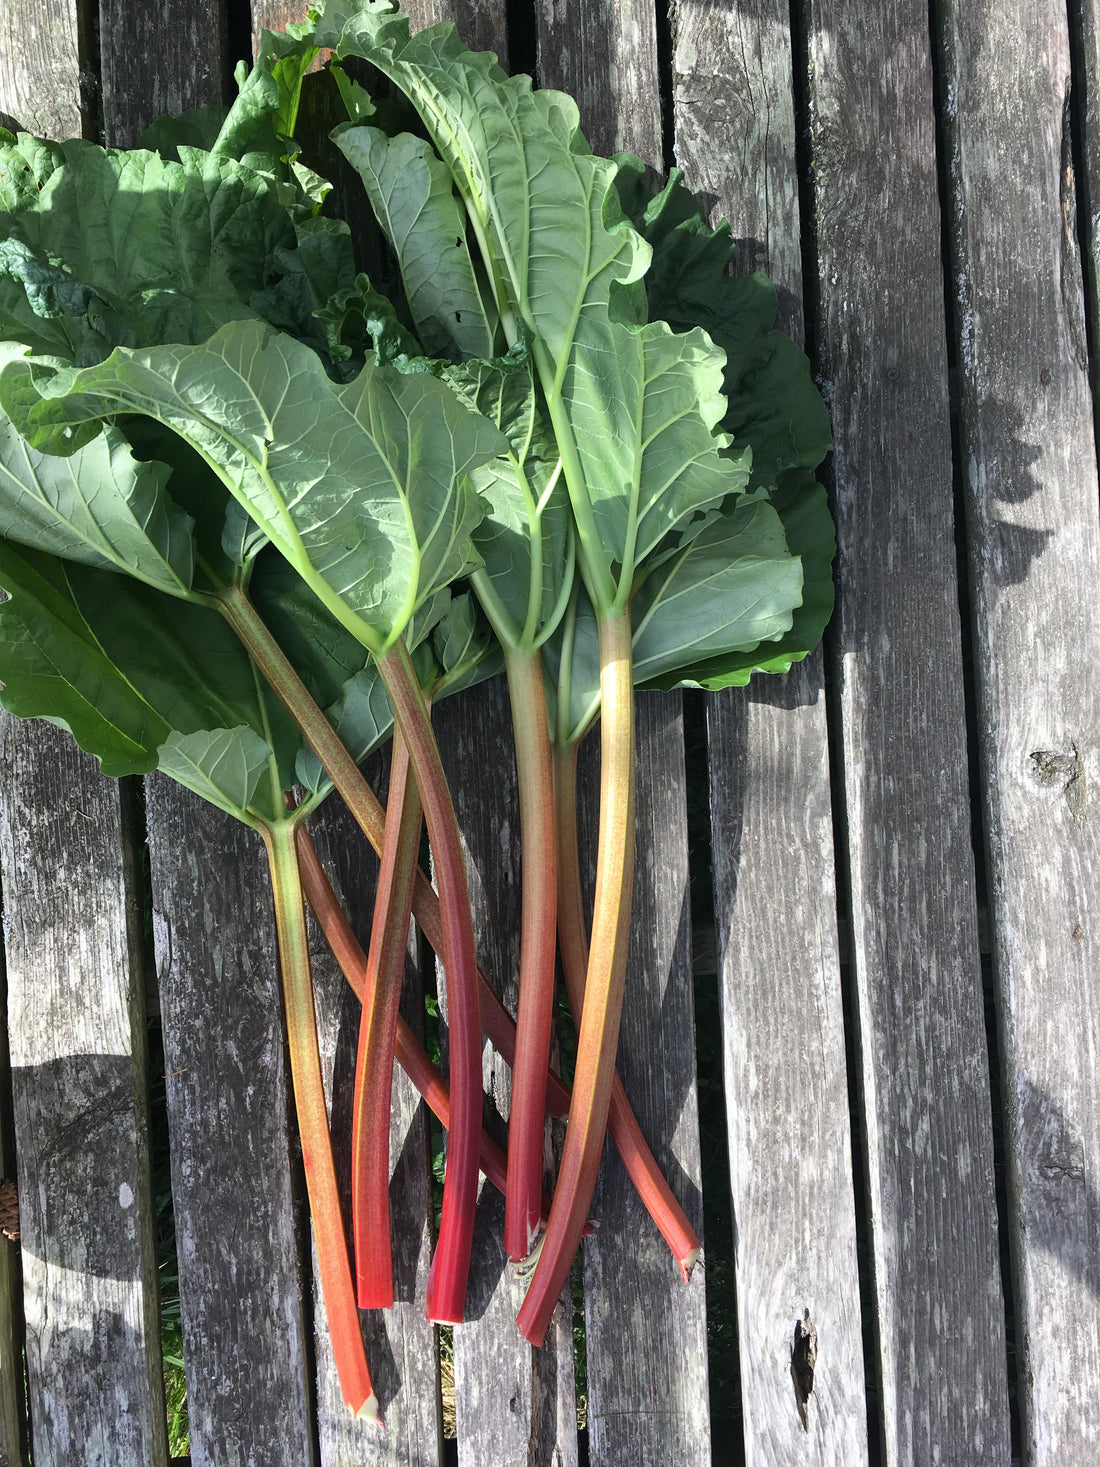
262 515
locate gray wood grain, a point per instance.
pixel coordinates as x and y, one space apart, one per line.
240 1252
1031 491
772 839
514 1404
481 23
898 666
46 85
646 1328
157 58
12 1423
76 1023
604 53
1084 22
401 1345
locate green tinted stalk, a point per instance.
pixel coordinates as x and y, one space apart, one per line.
309 1099
598 1036
640 1163
535 1009
385 971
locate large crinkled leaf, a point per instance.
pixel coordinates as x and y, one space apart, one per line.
320 265
129 248
359 322
52 666
464 649
526 537
122 666
545 206
100 506
411 194
225 766
363 487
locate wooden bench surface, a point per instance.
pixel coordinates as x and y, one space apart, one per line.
904 841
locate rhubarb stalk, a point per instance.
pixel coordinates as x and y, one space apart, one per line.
598 1034
309 1099
370 1135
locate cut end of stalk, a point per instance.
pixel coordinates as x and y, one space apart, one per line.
687 1265
369 1411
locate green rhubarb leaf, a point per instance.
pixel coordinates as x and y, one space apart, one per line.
100 506
465 649
225 766
808 530
644 410
410 192
526 537
773 404
122 666
544 206
363 487
734 585
359 323
104 248
52 666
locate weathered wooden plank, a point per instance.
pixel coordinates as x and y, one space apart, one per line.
12 1422
46 85
401 1344
158 58
514 1404
1084 22
772 839
1026 424
923 1053
230 1140
604 53
646 1331
240 1270
76 1022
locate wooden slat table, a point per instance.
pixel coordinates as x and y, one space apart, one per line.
903 966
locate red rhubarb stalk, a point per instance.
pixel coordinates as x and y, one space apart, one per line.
535 1008
370 1134
408 1051
450 1265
